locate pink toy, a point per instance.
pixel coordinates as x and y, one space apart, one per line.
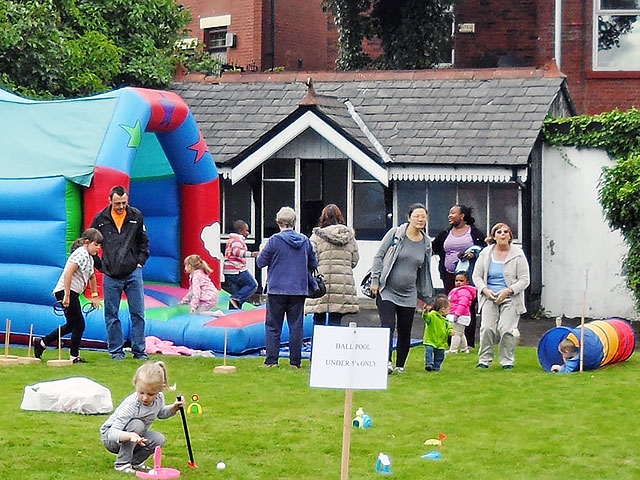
159 471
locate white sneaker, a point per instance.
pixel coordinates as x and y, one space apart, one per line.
126 468
467 351
389 368
450 352
399 369
141 467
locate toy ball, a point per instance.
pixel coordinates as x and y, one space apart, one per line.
221 466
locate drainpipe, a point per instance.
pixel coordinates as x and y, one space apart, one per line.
558 34
273 34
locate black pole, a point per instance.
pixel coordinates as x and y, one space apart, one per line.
192 462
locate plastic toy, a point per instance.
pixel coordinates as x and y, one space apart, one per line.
194 406
434 454
158 470
362 419
383 465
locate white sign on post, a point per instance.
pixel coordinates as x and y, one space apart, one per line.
350 358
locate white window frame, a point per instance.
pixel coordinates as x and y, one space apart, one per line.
597 12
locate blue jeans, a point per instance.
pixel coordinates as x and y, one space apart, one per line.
277 307
241 286
133 287
433 357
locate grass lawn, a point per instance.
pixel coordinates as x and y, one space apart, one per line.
269 424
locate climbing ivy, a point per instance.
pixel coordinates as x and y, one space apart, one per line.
618 133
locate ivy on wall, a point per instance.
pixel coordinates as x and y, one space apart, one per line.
618 133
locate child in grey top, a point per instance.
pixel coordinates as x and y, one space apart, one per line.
126 432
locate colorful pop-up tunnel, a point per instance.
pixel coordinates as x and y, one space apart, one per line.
605 342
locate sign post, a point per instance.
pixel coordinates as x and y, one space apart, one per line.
349 358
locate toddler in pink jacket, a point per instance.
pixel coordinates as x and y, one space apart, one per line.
461 298
203 295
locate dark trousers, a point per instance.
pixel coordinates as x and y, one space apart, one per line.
277 307
449 282
335 319
75 323
393 316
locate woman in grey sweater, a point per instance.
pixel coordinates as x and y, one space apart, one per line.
401 279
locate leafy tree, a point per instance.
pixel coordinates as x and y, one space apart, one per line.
353 25
414 34
53 48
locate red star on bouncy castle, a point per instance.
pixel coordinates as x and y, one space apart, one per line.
200 147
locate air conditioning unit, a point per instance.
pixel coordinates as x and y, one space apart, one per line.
230 40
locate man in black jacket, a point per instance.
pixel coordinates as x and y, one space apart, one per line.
125 249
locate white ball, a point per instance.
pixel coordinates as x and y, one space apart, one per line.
221 466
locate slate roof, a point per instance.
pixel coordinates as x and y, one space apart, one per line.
441 117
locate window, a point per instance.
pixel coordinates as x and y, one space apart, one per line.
616 35
490 203
237 201
278 190
215 41
369 210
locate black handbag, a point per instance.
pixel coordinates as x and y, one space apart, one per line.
317 287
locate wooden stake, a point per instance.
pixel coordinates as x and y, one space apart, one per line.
7 342
584 301
59 362
29 358
224 368
346 434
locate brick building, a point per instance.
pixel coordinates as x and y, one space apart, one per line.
241 33
599 49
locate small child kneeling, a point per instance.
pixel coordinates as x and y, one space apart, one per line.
126 432
570 357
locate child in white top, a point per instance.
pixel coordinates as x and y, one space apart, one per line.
126 432
203 294
77 273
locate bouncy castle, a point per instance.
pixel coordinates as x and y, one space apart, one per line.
60 160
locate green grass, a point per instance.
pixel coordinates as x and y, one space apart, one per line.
269 424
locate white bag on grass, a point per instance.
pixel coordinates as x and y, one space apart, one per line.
69 395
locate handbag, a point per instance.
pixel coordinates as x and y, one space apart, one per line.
365 286
317 287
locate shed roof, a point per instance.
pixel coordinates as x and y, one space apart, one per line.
437 117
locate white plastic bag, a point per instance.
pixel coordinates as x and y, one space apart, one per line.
69 395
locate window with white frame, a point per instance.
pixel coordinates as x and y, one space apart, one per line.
490 203
616 45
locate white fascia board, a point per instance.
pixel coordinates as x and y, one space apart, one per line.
444 173
309 120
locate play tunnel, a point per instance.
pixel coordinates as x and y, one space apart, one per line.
605 342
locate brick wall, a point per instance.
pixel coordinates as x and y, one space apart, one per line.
525 30
505 32
302 37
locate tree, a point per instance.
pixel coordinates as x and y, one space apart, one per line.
414 34
63 48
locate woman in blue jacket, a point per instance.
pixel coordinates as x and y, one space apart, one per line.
289 257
